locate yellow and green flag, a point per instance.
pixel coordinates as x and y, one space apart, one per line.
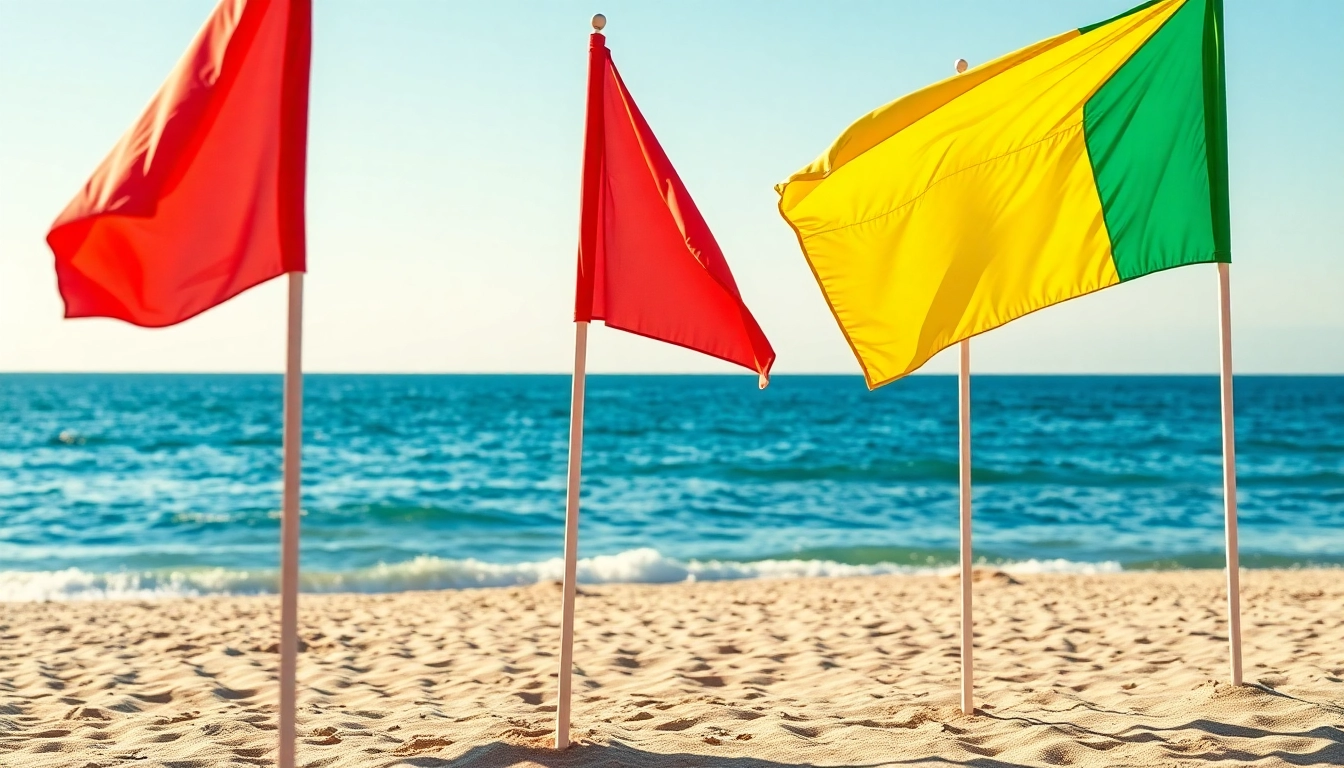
1074 164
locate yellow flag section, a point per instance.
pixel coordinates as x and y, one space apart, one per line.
1090 158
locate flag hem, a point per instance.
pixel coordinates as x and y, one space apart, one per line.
1083 30
763 372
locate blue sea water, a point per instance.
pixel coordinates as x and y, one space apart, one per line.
124 485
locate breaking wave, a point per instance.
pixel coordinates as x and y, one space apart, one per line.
640 566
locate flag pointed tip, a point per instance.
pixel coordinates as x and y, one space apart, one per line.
648 263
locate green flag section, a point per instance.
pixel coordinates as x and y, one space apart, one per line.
1091 158
1156 134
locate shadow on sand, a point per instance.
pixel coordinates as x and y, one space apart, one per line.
501 755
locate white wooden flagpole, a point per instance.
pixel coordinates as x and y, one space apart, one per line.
1229 474
289 522
571 534
964 422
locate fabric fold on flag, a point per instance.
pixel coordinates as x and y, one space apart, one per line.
203 197
648 263
1085 160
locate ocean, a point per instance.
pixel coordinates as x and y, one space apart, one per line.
155 485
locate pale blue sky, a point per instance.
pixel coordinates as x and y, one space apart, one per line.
444 176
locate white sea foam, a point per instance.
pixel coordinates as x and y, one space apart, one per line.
645 566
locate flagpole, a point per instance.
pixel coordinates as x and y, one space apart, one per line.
964 422
589 224
964 451
289 522
571 534
1229 473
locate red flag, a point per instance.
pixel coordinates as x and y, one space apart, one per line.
648 263
204 197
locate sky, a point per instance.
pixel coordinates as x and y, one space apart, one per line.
445 143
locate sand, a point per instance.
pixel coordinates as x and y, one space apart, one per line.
1106 670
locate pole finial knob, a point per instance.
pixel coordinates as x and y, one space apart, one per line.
961 65
599 22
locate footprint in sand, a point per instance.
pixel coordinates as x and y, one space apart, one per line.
232 694
529 698
178 718
154 698
325 736
709 681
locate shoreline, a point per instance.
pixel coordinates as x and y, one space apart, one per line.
635 566
1095 670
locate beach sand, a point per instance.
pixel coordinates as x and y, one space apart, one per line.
1106 670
